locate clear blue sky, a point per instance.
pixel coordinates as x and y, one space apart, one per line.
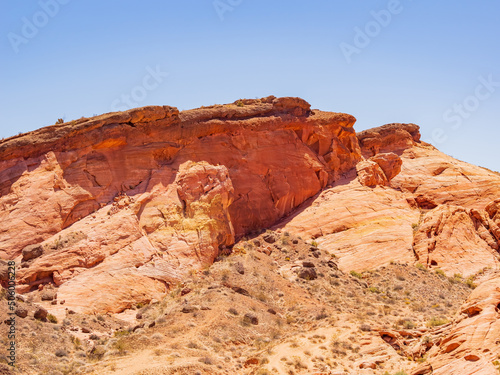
434 63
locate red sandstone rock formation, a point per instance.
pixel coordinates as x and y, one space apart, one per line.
472 345
457 240
125 204
142 197
435 209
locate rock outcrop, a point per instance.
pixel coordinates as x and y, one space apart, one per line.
363 227
457 240
388 138
417 199
124 210
127 204
472 346
151 193
379 169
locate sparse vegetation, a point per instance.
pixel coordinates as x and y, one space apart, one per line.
440 272
258 308
97 353
470 282
356 274
51 318
435 322
420 266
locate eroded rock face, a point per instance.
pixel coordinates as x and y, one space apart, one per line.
493 210
370 174
388 138
379 170
390 163
457 240
115 208
419 197
363 227
434 178
473 343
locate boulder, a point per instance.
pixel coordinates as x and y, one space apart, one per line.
32 252
40 313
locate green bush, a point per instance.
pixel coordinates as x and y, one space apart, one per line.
356 274
435 322
420 266
97 353
121 333
408 324
470 282
440 272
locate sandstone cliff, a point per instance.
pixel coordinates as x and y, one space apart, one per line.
113 212
144 196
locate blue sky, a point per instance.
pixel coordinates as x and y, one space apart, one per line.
434 63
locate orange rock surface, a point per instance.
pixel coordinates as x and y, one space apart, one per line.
419 205
472 346
144 196
115 209
457 240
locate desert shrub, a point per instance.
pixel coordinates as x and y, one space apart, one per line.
408 324
97 353
435 322
365 328
440 272
420 266
206 360
374 289
121 346
356 274
322 315
192 345
76 341
121 333
470 282
61 353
